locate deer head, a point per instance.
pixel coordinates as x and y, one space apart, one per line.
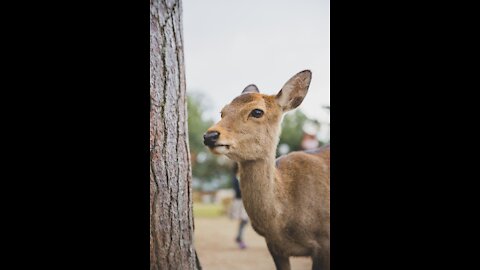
250 125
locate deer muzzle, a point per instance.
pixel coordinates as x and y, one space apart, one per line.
210 138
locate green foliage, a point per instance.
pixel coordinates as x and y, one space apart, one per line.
292 130
196 124
201 210
205 166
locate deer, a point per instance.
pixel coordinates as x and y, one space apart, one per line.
287 199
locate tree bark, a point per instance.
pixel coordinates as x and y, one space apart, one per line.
171 218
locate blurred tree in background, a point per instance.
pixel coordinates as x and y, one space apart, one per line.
294 126
209 171
292 130
197 125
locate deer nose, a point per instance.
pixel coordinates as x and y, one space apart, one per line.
210 138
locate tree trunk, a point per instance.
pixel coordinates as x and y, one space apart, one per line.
171 219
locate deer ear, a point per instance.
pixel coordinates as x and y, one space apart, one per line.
252 88
294 90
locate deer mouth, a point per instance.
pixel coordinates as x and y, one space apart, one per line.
222 145
220 148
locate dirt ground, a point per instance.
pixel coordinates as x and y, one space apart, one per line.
217 250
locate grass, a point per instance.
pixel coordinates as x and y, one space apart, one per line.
207 210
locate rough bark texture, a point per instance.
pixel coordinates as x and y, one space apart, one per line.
171 220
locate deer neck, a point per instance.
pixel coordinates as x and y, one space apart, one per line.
257 182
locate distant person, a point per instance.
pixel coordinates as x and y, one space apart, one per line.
238 211
309 141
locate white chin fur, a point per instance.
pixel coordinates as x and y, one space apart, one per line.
221 150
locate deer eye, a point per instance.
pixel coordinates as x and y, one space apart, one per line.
257 113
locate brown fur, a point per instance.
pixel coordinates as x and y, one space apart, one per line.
288 204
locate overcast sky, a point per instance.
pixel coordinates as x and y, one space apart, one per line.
230 44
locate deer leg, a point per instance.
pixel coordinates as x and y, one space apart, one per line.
281 262
321 260
317 263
